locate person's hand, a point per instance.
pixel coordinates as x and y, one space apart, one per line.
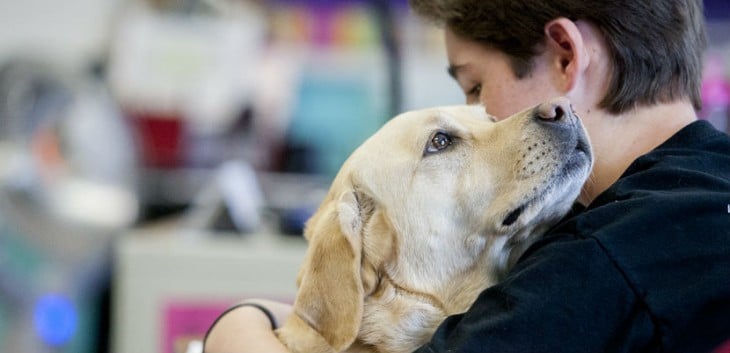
248 329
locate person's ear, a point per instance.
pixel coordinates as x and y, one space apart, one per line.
564 42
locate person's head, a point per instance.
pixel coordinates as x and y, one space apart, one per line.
652 49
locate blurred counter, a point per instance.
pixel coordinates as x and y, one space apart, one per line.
171 283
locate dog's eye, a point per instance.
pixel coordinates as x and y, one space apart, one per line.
438 142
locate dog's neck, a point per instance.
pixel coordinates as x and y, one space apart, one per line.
505 251
413 317
402 290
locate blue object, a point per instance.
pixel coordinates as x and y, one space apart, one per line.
55 319
717 9
333 115
3 322
292 221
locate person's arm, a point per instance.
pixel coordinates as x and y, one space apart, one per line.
246 329
566 296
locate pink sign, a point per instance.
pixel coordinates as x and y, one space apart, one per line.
185 321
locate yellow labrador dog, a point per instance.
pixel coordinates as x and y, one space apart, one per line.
426 214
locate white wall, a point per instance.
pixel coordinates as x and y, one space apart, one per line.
67 32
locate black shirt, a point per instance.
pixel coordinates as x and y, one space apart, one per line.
645 268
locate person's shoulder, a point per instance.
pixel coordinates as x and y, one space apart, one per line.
703 134
680 188
676 199
692 166
699 138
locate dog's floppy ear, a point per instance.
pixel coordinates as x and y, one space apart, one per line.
329 303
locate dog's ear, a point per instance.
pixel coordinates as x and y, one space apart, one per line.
329 303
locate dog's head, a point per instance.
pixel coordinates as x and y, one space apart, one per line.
433 201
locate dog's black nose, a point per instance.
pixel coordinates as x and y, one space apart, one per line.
554 110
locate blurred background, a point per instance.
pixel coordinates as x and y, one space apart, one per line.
158 158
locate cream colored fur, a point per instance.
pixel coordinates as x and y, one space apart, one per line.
406 237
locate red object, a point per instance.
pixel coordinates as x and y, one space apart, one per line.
724 348
160 138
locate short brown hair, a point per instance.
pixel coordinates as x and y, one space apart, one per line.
656 46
